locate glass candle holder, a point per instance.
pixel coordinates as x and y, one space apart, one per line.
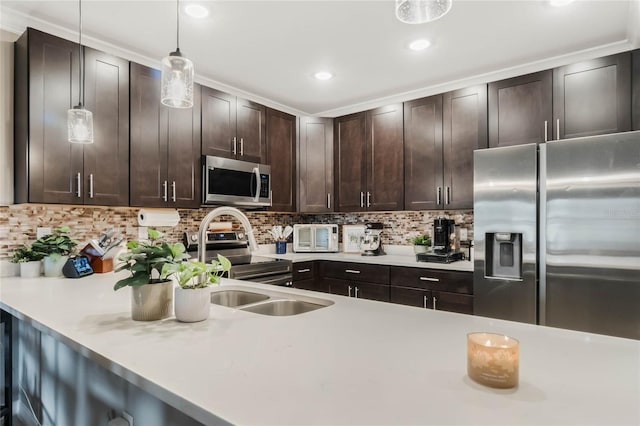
493 359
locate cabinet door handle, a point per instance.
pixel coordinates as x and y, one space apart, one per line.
435 301
328 200
429 279
349 291
164 191
425 302
356 292
368 199
235 144
558 129
439 196
448 194
361 199
173 190
79 182
352 271
300 271
546 130
91 185
241 147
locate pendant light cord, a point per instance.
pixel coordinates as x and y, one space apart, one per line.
80 56
178 25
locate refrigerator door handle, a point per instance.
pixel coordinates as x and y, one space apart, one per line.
546 131
542 236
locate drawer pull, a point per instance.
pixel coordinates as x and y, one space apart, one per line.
425 302
429 279
352 271
356 292
300 271
435 303
349 291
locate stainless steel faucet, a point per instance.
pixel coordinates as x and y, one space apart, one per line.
204 226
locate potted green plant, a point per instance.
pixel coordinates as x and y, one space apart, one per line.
55 249
29 260
193 295
151 295
421 243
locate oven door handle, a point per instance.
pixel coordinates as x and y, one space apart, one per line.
256 171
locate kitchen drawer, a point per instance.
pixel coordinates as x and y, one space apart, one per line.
357 272
432 279
303 271
452 302
410 296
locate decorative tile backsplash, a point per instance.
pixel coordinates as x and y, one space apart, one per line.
18 223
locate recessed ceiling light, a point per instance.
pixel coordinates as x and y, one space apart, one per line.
560 2
196 10
420 44
323 75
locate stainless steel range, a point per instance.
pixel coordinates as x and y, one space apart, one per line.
234 246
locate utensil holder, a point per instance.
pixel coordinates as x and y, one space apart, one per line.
281 247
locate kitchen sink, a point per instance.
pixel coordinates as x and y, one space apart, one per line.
282 308
234 298
267 302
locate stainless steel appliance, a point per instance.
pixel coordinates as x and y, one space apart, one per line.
315 238
371 240
233 182
244 266
557 234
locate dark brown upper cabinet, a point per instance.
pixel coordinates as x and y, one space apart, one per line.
369 160
48 168
423 153
165 146
464 130
349 163
520 110
233 127
315 165
635 94
281 149
592 97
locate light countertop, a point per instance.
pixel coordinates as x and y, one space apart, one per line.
396 256
354 362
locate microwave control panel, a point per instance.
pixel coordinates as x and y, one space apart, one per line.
264 186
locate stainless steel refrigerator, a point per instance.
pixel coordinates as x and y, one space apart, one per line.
557 234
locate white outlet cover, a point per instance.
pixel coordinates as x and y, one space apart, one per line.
142 233
463 234
42 231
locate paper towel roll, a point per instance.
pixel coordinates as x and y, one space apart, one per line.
158 217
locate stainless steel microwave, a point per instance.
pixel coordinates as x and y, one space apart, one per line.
235 183
315 238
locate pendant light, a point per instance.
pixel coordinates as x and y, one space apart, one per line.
177 75
421 11
80 120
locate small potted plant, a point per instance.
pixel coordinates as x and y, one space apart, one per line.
55 248
421 243
151 295
193 295
30 261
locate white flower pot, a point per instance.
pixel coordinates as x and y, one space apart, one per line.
31 269
192 305
420 249
152 302
53 265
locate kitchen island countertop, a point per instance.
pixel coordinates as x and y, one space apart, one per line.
354 362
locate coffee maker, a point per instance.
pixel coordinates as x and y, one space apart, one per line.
443 235
371 240
445 243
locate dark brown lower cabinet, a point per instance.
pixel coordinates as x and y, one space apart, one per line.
411 297
313 285
452 302
359 290
635 90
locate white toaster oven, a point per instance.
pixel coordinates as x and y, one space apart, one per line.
315 238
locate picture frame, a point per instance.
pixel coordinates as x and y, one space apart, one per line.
351 238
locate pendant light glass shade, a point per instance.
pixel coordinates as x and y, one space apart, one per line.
80 120
80 125
177 81
421 11
176 90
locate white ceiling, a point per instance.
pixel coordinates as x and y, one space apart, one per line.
268 51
